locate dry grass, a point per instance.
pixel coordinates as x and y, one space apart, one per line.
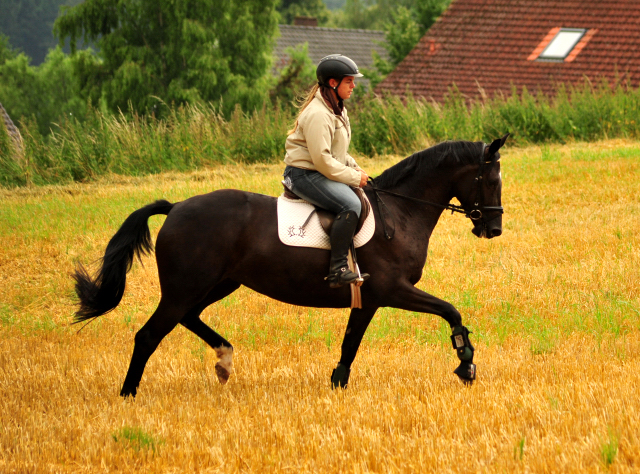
554 305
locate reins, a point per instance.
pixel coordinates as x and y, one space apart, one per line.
382 207
450 207
474 214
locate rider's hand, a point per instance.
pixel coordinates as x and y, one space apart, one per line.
363 179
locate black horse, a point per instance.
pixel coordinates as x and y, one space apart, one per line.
211 244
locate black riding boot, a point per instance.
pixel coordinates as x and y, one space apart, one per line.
342 231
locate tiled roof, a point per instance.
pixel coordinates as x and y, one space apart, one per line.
356 44
492 44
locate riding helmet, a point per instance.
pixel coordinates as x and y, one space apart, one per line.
335 66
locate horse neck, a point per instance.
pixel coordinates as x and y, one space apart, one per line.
436 187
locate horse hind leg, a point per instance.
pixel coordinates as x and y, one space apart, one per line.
165 318
192 321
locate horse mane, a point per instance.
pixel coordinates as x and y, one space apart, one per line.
445 153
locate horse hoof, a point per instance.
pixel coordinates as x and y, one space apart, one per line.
222 373
126 393
466 371
340 377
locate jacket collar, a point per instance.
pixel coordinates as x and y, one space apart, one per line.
318 96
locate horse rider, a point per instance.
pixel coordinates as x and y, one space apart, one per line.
319 168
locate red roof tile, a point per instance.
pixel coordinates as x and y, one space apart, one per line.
493 44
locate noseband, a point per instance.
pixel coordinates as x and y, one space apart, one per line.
475 213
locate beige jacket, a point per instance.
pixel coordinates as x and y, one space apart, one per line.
321 142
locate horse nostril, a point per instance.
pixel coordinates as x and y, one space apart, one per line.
496 232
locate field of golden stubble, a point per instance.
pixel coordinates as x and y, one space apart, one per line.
553 305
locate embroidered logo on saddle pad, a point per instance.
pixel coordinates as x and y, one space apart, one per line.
292 215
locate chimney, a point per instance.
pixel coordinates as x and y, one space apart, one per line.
305 21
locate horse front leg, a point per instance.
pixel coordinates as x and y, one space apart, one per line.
359 320
409 298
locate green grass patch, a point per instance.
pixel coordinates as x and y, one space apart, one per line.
518 451
597 155
137 439
609 449
7 315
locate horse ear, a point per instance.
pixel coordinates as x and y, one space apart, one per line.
497 144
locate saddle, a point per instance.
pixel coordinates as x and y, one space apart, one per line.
327 217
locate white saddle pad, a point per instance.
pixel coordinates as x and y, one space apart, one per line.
293 213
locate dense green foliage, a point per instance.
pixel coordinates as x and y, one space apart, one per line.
176 52
295 78
191 136
380 14
44 93
289 9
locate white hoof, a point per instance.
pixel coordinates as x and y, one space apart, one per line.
224 367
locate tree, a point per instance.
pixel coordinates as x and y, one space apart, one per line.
175 51
289 9
296 78
46 93
428 11
368 14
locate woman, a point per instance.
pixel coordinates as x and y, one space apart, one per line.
319 168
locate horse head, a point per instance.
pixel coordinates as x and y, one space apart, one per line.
479 191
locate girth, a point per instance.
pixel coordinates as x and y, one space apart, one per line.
327 217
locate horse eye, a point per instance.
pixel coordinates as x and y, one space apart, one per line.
493 180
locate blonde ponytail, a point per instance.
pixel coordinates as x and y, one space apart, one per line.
304 103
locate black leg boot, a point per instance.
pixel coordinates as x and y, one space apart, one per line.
342 230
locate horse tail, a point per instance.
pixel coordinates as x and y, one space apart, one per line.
100 294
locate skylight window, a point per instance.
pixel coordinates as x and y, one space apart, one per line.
562 44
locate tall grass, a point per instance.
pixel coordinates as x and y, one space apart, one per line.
189 138
198 136
585 113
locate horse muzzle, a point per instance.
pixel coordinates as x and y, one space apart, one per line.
488 229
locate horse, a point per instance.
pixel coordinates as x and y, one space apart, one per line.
211 244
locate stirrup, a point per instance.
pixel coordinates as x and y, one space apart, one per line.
343 276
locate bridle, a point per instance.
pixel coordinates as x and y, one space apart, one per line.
475 213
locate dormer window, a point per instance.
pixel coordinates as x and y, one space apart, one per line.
562 44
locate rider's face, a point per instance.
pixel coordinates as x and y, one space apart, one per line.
345 88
